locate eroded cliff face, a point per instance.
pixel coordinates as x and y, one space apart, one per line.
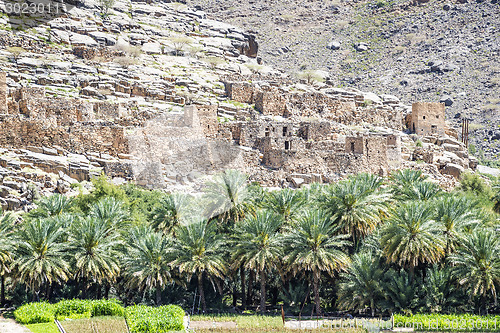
159 95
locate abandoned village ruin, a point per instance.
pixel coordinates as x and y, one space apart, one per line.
288 139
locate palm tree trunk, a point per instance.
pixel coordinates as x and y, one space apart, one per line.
243 294
316 292
250 287
262 291
2 290
202 293
372 307
158 296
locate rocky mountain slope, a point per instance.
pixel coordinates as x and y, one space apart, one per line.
84 93
428 50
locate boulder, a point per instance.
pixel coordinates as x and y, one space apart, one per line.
447 100
333 45
452 169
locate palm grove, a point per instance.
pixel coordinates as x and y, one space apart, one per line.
368 244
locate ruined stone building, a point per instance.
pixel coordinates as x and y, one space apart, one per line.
428 119
291 136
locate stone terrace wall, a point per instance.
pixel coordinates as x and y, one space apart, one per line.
80 137
3 93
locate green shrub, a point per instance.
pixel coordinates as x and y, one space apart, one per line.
441 322
34 313
73 309
161 319
105 307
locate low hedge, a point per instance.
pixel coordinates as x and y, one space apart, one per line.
143 319
74 309
34 313
446 323
104 307
42 312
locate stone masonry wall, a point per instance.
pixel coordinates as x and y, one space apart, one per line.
428 119
3 93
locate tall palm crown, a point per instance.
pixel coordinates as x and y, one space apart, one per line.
41 256
477 263
454 214
53 205
6 242
258 245
313 246
170 212
6 248
111 211
362 283
412 185
355 205
411 236
95 249
287 203
226 195
147 260
197 251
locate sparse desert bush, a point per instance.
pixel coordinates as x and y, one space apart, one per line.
179 43
16 52
126 62
311 76
35 313
130 50
214 61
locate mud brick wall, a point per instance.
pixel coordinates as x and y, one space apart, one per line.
271 102
242 92
3 93
208 119
27 93
66 111
315 130
119 169
108 111
428 118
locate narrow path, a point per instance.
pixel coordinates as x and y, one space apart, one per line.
10 326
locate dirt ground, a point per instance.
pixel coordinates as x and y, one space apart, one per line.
212 324
10 326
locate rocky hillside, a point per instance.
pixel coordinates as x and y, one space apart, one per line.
105 90
428 50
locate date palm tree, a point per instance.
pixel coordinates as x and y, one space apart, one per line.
147 259
41 257
258 246
313 245
111 211
454 214
412 185
361 285
442 293
477 264
355 205
170 212
287 203
227 195
54 205
94 246
198 251
6 247
411 236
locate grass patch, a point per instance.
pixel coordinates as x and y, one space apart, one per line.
43 328
96 324
250 321
279 330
